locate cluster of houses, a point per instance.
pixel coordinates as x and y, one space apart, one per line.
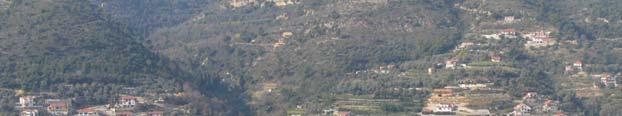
467 98
445 108
474 95
33 106
379 70
575 67
465 45
534 104
607 80
475 83
505 33
124 106
540 38
604 80
455 63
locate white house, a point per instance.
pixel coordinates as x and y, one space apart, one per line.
538 42
29 112
127 102
578 64
530 95
27 101
446 108
538 39
492 36
509 19
522 108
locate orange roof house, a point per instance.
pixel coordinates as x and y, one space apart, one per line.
58 107
578 63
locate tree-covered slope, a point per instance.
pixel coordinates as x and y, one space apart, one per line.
329 39
46 42
49 45
144 16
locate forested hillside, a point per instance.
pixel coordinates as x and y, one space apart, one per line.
325 42
308 57
48 45
58 42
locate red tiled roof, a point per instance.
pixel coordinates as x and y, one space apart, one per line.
521 105
560 114
58 104
128 98
344 114
86 110
124 113
155 112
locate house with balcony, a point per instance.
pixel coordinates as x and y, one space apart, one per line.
27 101
127 102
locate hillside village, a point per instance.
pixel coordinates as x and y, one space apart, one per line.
339 58
44 104
483 50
